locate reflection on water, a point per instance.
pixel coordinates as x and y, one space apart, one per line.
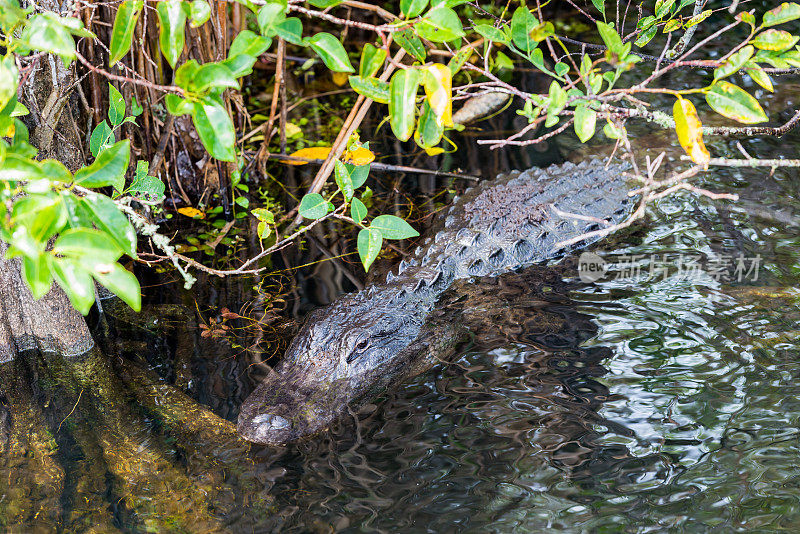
632 404
673 404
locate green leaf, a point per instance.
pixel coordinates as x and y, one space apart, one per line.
270 15
55 171
735 103
372 60
42 215
558 98
87 246
199 13
358 210
177 105
102 138
490 33
758 75
775 40
393 227
646 36
585 121
429 129
331 51
325 3
185 74
75 281
522 25
412 8
369 244
11 15
372 88
116 106
290 30
108 169
663 7
610 37
646 22
213 76
734 63
697 19
773 58
785 12
461 57
215 128
358 175
612 131
440 25
136 108
313 206
672 25
600 5
37 275
250 43
17 168
402 102
244 52
561 68
172 18
8 82
747 18
122 32
144 187
45 34
411 43
71 24
121 282
343 180
107 218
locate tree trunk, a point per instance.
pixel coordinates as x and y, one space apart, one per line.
49 324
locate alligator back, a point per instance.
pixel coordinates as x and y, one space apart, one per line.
517 220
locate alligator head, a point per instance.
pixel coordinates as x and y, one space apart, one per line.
347 351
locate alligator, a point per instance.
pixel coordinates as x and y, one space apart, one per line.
367 342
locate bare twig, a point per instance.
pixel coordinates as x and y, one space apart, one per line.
381 167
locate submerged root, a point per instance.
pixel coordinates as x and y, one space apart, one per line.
31 480
145 480
210 444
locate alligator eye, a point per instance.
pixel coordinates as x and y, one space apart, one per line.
358 350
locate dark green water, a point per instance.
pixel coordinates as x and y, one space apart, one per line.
660 402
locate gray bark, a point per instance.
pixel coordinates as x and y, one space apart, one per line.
49 324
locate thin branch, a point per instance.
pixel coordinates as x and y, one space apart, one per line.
381 167
123 79
383 28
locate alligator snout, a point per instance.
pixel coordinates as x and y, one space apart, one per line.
266 428
290 406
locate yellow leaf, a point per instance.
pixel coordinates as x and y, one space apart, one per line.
340 78
359 156
434 151
690 131
438 84
192 212
292 130
314 152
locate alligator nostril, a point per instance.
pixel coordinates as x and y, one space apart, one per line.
272 421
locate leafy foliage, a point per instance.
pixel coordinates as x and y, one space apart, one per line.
64 229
